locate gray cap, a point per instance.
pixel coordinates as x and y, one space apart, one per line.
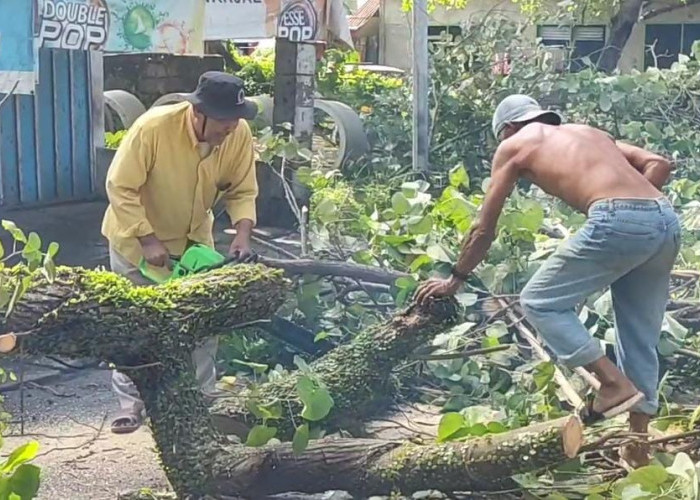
518 108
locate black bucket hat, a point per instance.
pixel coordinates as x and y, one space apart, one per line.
221 96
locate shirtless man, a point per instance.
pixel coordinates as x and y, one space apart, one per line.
629 242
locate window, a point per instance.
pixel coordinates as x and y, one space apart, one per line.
664 42
435 32
579 42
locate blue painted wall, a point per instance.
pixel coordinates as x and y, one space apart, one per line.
46 143
16 44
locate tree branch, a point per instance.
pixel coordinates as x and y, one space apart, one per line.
335 268
669 8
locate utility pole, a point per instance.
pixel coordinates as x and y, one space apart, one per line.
421 141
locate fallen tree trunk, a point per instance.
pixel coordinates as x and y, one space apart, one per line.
98 314
357 375
85 313
367 467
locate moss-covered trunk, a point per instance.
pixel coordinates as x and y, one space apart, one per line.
86 313
98 314
357 375
371 467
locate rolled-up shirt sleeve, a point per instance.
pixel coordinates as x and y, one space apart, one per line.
239 198
125 177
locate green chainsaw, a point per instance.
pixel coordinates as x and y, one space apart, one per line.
196 259
201 258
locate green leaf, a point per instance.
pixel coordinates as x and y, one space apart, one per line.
52 249
49 269
260 435
2 251
419 262
694 418
595 496
323 335
420 225
449 424
626 83
490 342
33 243
258 368
544 373
400 204
17 233
326 211
317 400
406 282
605 102
436 252
478 430
300 440
270 411
649 477
25 481
654 130
23 454
459 176
496 427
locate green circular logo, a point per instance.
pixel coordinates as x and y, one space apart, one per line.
139 25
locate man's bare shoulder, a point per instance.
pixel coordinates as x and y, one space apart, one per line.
521 145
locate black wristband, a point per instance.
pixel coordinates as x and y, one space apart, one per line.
458 275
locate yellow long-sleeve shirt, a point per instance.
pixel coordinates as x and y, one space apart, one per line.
159 182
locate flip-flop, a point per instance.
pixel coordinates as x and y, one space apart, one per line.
589 416
126 422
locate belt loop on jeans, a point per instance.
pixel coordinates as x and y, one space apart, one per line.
611 206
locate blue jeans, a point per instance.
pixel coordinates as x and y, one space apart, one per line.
631 246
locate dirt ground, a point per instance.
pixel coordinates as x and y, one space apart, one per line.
79 456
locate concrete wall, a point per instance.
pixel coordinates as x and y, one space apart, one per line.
149 76
395 28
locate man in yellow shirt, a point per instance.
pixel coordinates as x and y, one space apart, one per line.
171 168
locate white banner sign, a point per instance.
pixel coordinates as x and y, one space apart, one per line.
240 19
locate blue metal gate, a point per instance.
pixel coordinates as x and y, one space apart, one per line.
48 140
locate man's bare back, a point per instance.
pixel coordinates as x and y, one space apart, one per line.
580 164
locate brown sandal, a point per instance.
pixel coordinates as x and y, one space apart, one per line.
127 421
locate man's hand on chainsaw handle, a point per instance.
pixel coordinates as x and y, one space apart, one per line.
154 251
240 246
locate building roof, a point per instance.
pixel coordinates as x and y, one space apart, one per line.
366 12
